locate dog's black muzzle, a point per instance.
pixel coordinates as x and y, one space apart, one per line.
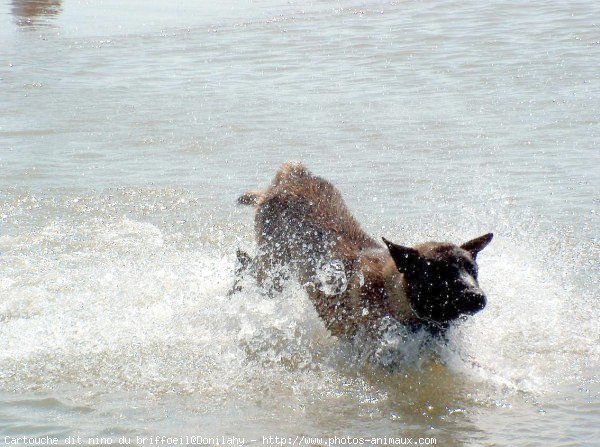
473 303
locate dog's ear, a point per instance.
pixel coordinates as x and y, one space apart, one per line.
474 246
407 259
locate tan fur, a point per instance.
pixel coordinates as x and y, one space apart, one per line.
250 198
302 220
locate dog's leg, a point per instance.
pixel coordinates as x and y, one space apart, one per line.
243 264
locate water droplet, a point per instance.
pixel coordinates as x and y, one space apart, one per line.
331 278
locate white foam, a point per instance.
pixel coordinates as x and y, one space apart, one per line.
122 303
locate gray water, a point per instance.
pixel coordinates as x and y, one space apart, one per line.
128 129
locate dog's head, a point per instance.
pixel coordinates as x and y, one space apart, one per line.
441 278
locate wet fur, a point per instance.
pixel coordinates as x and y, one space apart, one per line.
302 225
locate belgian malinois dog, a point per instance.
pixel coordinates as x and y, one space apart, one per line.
305 231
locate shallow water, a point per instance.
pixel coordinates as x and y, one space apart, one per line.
128 129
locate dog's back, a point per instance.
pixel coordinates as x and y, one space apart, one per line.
312 202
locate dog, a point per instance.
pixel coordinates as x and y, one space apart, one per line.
304 231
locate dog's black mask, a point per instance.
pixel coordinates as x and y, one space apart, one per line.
441 279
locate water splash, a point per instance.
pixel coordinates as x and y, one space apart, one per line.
118 301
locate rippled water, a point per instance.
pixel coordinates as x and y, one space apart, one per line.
127 130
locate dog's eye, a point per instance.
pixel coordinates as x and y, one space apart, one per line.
469 267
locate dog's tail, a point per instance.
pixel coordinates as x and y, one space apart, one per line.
251 198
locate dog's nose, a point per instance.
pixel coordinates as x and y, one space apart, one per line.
477 301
